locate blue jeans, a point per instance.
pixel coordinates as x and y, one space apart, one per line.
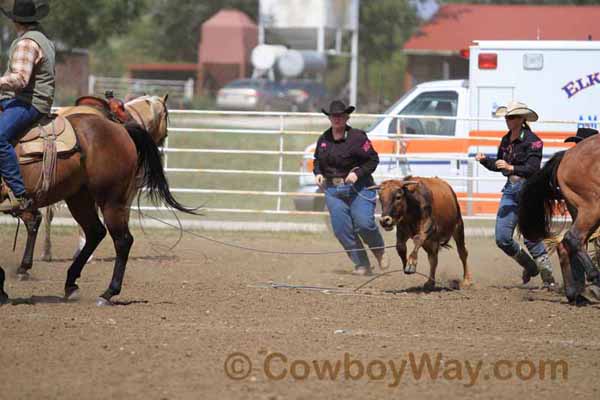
352 212
15 119
506 222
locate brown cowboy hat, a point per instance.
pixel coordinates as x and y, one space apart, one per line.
582 133
517 108
338 107
25 11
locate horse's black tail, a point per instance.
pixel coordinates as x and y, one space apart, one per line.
538 200
152 173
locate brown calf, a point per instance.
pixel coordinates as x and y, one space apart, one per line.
426 210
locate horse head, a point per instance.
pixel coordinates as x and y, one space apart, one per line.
151 113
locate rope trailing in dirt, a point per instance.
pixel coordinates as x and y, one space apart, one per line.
228 244
237 246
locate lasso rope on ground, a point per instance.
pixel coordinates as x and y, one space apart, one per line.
257 250
228 244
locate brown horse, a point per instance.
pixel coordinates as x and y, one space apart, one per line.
113 163
134 110
425 210
572 177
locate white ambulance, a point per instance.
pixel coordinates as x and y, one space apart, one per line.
436 128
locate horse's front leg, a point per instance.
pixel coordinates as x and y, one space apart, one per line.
32 220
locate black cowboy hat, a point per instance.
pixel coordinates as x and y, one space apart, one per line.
582 133
338 107
25 11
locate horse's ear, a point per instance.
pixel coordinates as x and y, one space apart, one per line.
164 99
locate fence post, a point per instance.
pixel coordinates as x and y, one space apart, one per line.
91 84
280 177
188 89
470 184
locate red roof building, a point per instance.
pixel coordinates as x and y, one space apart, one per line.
227 40
434 50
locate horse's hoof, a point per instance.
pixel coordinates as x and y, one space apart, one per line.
4 299
102 302
23 276
46 258
582 300
72 295
410 269
429 286
594 291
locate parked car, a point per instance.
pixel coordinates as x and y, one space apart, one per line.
306 95
254 94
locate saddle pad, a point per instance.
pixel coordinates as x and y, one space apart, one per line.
56 125
33 150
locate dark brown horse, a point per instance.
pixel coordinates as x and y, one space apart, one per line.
113 163
572 177
425 210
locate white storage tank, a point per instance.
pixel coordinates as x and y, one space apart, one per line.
265 56
296 62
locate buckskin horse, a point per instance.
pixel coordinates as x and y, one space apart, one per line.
572 177
425 210
112 163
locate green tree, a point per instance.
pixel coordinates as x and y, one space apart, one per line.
83 24
384 27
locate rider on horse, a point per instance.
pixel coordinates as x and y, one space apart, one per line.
26 90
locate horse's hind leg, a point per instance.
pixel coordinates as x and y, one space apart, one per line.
48 217
116 219
3 295
459 238
83 209
574 244
32 220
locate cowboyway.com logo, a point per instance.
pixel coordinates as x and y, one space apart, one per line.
393 371
577 85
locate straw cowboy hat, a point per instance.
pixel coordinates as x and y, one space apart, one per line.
582 133
25 11
338 107
517 108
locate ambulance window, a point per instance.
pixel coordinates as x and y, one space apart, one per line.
442 103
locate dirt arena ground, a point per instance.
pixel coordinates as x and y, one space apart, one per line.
184 314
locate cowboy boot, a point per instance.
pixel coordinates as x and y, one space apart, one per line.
530 269
14 203
545 268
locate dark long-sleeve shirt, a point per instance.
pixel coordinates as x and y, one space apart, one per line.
353 153
524 153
